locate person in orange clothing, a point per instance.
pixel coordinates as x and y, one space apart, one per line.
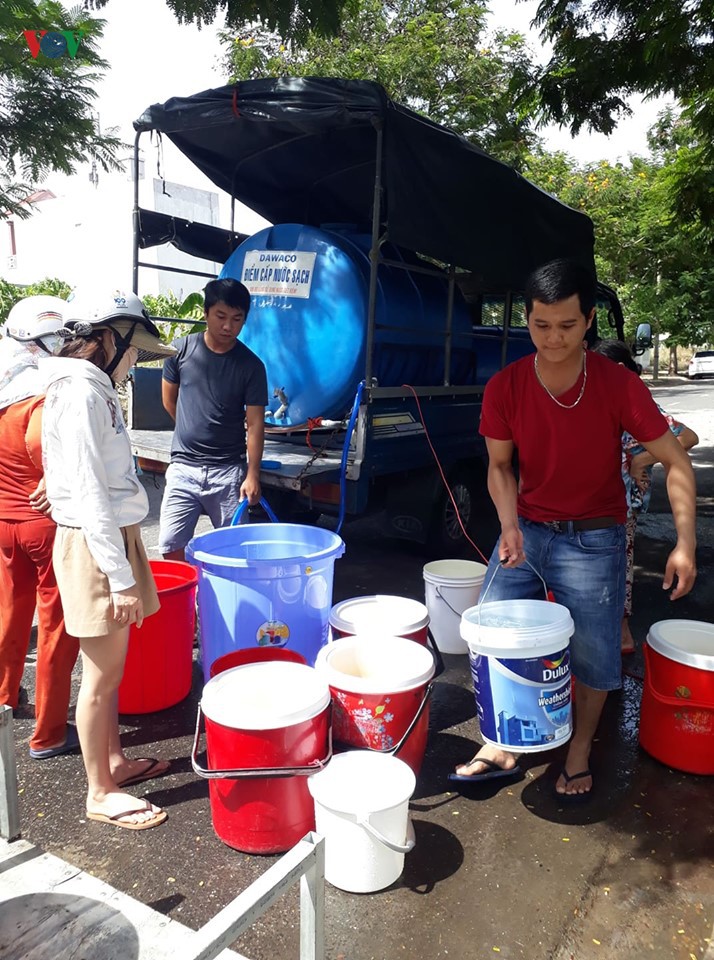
27 579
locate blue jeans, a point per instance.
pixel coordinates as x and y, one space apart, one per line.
192 490
585 570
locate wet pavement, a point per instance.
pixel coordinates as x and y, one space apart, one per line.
495 872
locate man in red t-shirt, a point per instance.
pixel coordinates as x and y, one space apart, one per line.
564 410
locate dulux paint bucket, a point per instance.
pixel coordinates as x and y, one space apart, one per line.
267 729
450 587
380 614
677 709
362 810
520 663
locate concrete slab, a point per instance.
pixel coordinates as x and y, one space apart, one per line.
50 909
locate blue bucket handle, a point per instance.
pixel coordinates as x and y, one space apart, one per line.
242 506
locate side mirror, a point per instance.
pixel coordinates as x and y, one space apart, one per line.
643 339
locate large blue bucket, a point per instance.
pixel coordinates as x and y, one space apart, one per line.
264 585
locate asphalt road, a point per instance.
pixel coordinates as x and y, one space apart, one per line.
504 873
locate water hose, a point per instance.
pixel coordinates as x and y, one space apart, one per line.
345 453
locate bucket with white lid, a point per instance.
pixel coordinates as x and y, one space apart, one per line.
362 810
380 614
450 587
380 690
267 729
677 709
520 663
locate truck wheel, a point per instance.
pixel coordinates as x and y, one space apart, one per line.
478 516
446 536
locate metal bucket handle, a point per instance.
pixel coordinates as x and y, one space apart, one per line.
243 506
253 773
393 751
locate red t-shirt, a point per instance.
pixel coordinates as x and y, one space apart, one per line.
569 460
20 458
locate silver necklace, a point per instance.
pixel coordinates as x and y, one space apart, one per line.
565 406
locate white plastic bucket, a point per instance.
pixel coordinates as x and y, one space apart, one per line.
362 811
380 614
520 663
450 587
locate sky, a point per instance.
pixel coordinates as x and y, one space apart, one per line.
86 231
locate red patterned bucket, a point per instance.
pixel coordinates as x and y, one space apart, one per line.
380 694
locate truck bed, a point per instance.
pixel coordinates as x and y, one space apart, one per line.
292 473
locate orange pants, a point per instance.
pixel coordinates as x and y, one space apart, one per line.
27 580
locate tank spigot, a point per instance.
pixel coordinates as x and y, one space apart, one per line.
280 394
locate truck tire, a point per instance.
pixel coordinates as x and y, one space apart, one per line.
477 512
446 536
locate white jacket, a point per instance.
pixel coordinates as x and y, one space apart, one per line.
89 469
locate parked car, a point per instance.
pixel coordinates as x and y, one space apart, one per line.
701 365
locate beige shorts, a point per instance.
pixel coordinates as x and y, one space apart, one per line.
84 589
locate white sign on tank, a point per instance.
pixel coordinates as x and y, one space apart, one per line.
282 273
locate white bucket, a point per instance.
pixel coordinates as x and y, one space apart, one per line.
520 663
451 586
362 811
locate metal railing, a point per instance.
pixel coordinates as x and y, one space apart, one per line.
306 863
9 806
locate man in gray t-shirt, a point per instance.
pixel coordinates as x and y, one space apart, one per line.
213 388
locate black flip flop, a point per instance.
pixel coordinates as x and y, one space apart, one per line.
496 772
573 797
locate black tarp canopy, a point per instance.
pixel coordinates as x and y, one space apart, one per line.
304 151
197 239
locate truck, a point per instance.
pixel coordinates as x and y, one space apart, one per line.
384 296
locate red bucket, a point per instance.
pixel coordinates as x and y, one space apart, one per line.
380 688
267 728
381 615
237 658
677 710
159 659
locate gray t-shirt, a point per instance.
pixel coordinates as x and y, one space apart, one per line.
214 390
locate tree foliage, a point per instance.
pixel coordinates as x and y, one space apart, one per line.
604 51
46 118
290 18
662 272
433 55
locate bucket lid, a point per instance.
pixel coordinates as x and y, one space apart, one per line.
381 614
265 696
361 781
374 664
690 642
456 572
504 626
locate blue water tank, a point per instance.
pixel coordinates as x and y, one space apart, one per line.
308 320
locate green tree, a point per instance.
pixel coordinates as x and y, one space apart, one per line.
658 265
604 51
46 119
435 56
291 18
183 317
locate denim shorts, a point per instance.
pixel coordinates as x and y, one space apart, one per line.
585 570
192 490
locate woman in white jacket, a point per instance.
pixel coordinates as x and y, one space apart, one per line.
101 567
